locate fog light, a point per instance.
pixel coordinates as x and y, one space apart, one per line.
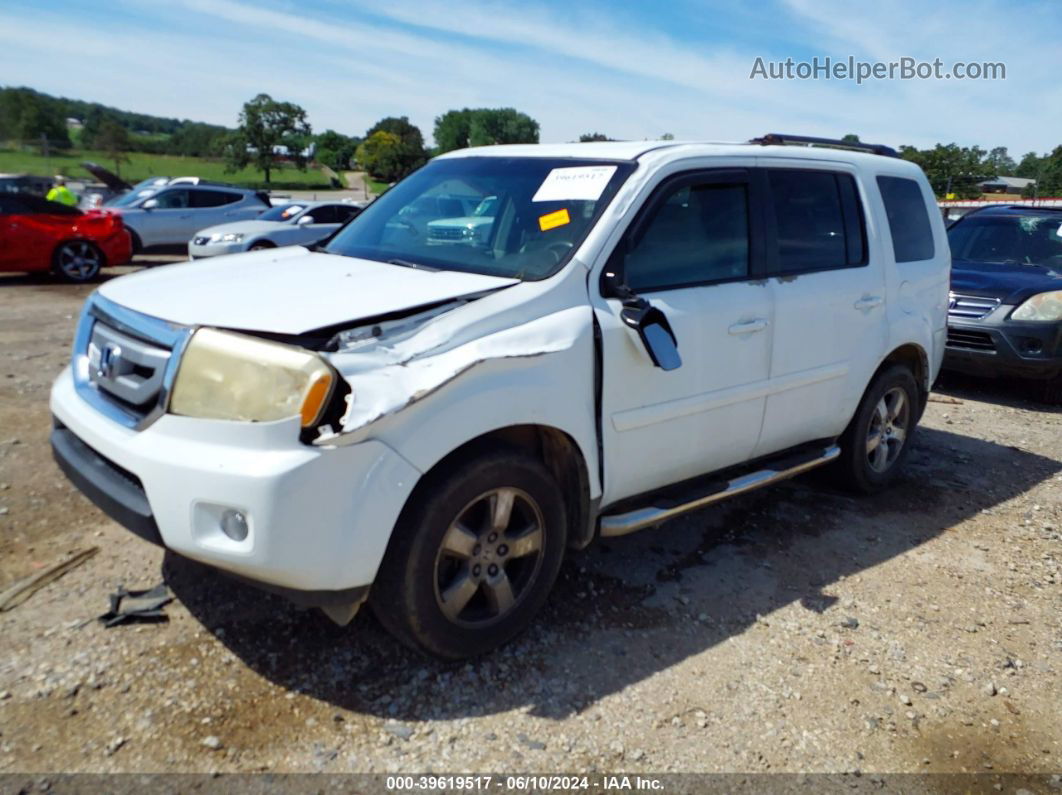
234 525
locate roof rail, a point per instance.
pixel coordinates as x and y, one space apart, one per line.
779 139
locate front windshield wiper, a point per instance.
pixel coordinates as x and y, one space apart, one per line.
405 263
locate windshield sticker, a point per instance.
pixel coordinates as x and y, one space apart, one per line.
553 220
581 183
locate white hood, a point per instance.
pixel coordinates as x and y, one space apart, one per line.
286 290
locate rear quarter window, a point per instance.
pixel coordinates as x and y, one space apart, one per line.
905 208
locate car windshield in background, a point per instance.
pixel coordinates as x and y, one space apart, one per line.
519 217
135 196
282 212
1020 239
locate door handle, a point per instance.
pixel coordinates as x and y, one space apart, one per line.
748 327
868 302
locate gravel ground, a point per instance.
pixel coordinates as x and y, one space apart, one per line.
794 629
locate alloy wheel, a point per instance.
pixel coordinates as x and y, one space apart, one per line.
489 556
887 433
79 260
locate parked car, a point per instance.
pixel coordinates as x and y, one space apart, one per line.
296 224
40 235
1005 308
25 183
653 327
469 230
171 213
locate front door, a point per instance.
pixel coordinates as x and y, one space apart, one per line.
694 253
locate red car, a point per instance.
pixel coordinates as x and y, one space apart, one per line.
39 235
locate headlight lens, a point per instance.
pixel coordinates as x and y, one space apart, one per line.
227 376
1045 308
226 237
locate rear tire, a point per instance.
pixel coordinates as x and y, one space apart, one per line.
77 261
876 442
260 245
473 556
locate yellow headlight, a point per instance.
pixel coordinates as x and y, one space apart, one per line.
229 376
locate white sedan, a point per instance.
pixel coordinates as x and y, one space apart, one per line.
294 224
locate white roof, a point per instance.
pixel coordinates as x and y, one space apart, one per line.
677 150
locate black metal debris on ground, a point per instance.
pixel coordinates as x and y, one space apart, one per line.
145 606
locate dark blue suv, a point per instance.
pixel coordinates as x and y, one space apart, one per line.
1005 309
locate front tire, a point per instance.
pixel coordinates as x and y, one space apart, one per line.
473 556
876 442
77 261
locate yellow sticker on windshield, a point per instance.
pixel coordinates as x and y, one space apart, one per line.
553 220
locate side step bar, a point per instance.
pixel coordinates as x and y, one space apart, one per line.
621 524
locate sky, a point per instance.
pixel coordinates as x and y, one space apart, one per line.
631 70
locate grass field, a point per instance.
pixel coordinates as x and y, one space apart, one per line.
141 166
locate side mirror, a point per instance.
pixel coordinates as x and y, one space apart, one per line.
150 204
655 333
306 219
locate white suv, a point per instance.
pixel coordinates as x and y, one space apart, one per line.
647 328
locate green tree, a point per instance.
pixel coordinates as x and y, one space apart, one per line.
265 126
335 150
1030 166
586 138
113 139
951 168
380 154
407 156
850 138
459 129
27 117
1000 163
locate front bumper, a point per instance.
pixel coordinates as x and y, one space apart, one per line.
997 346
319 518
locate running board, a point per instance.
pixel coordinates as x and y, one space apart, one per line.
621 524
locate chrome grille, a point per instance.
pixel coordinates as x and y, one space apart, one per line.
125 362
970 307
124 367
447 232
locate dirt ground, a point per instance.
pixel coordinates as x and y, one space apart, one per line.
794 629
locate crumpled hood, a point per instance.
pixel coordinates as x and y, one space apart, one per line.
287 290
1011 283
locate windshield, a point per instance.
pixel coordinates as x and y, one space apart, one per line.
1020 239
139 192
519 217
282 212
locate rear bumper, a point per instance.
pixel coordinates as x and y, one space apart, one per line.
995 346
118 249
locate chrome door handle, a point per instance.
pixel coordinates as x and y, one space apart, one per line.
868 302
748 327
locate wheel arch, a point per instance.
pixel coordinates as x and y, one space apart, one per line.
262 242
556 449
914 357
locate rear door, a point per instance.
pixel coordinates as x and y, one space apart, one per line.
695 253
211 207
830 321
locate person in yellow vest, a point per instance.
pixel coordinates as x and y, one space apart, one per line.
60 193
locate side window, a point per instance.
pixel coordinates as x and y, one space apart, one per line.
323 215
9 205
213 198
905 207
818 220
699 234
172 199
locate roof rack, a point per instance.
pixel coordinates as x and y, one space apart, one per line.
778 139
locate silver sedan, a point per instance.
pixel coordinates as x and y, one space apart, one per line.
294 224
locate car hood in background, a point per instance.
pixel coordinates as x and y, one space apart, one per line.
244 228
1011 283
287 290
